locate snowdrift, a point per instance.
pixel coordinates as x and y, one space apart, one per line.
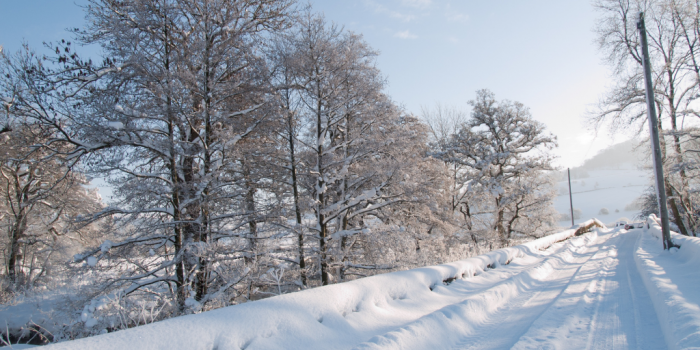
324 316
672 282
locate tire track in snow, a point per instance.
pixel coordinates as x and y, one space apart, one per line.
627 319
463 318
518 316
604 311
604 325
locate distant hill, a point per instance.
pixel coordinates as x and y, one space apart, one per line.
625 152
629 152
608 185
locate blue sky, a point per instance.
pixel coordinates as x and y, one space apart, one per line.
539 52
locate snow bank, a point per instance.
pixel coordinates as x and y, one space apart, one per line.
690 252
321 318
672 282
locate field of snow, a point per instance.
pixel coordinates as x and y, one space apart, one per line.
613 188
583 292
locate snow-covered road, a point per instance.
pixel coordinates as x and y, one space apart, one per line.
604 305
585 293
601 290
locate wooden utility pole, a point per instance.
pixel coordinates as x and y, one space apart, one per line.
654 135
571 200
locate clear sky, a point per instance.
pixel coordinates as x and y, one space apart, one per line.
538 52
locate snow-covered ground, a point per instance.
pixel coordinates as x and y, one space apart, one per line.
673 278
613 188
609 288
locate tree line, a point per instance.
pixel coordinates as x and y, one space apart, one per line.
252 150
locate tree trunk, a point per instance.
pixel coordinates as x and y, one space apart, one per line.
679 159
16 233
344 249
202 275
297 209
177 189
251 213
295 194
320 194
511 222
190 224
498 225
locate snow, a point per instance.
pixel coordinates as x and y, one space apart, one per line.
609 288
603 304
673 278
115 125
334 316
106 246
613 188
37 309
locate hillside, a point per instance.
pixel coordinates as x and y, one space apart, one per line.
612 180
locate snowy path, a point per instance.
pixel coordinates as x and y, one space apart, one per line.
604 307
586 294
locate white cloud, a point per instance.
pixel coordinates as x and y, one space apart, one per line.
416 3
401 16
453 39
406 34
457 17
379 8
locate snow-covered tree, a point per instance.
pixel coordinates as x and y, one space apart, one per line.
41 189
183 83
252 152
502 153
338 87
444 122
419 230
344 138
281 55
40 196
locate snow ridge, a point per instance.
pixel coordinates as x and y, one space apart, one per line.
321 318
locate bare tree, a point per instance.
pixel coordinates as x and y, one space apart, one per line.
672 54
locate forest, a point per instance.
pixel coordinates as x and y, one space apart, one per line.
252 150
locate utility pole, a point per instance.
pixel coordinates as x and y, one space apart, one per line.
654 135
571 200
